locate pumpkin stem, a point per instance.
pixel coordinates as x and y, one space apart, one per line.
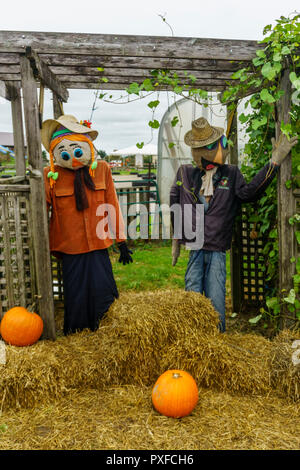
176 375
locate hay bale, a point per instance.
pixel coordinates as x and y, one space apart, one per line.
127 348
227 362
285 370
141 336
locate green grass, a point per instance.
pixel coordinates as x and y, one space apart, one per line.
152 268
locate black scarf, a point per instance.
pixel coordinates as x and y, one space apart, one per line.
82 179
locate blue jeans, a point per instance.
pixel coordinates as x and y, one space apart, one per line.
206 274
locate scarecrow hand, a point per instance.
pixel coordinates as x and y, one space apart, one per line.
282 148
175 251
125 253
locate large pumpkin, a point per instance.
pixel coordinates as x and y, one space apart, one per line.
19 327
175 394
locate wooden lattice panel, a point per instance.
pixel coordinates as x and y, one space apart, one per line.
252 265
17 282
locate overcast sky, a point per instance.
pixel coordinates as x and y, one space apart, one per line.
123 125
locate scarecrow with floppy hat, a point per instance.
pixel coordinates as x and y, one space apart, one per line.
85 218
220 188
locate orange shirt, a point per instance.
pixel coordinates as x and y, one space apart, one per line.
72 231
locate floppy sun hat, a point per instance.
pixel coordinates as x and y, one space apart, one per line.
67 121
202 134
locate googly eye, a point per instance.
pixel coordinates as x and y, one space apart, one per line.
65 155
78 152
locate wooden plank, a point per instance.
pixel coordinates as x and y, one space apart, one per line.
4 188
129 45
18 130
11 180
91 60
119 83
130 71
63 63
38 212
286 207
45 75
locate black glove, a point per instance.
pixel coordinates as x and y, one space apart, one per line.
125 253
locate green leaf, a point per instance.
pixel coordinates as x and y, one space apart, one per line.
257 61
243 118
288 184
268 71
260 53
273 304
285 50
104 79
101 69
171 145
297 233
291 297
154 124
133 88
179 183
266 96
259 122
255 320
153 104
140 146
277 57
295 80
174 121
148 85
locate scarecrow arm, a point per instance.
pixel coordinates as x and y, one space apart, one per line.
255 188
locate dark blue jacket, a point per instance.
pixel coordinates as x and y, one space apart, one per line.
230 190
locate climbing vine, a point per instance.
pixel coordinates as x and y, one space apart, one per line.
259 86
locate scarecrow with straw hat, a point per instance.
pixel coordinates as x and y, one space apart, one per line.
220 188
80 193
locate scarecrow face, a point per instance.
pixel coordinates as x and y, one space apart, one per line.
72 154
216 152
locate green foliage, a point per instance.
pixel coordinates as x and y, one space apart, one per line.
278 50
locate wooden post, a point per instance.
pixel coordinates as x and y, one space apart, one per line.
286 206
57 106
236 249
17 119
38 209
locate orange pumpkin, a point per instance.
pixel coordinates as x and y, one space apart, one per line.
19 327
175 394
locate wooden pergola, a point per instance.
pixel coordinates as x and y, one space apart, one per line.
62 61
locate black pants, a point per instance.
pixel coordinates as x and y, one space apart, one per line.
89 289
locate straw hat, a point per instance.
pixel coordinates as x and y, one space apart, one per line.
202 133
69 122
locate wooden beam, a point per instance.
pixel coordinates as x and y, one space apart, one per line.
286 207
129 45
38 211
107 61
42 71
18 130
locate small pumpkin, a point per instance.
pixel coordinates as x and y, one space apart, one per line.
175 394
19 327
